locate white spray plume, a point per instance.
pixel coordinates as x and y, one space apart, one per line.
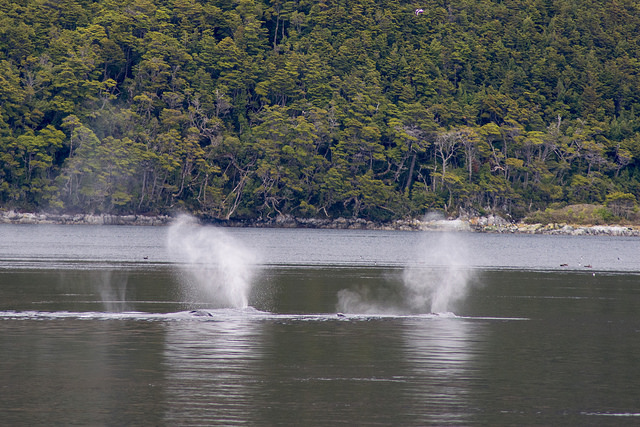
442 276
220 268
435 283
113 290
363 301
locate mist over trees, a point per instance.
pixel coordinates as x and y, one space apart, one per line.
248 109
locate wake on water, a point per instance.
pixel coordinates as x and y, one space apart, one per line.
226 315
221 315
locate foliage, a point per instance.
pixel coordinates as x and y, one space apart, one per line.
583 214
252 109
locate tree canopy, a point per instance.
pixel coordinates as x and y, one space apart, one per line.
248 109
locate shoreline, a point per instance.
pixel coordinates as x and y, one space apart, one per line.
490 224
12 217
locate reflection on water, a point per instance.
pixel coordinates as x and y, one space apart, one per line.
238 367
301 370
359 373
441 354
211 372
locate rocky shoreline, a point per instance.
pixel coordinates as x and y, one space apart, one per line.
12 217
489 224
559 229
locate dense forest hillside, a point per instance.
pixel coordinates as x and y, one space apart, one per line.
247 109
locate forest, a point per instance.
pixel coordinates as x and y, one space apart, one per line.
252 109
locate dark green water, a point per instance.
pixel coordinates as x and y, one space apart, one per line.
111 341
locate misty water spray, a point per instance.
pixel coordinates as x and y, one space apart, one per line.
438 276
442 275
112 287
219 269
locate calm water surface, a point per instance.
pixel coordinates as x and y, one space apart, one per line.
103 326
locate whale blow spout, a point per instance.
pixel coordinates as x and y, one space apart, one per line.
218 268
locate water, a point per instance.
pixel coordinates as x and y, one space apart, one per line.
59 246
106 326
